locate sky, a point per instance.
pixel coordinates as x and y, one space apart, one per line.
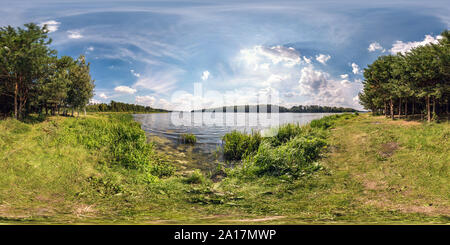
154 52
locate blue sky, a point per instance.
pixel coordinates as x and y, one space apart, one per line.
152 52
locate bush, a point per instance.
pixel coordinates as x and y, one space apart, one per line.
195 177
188 139
238 145
290 158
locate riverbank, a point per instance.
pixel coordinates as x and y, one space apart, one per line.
373 170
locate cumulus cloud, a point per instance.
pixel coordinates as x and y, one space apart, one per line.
311 80
322 89
375 46
322 58
344 76
146 100
135 73
125 89
205 75
90 48
52 25
355 68
103 96
74 34
402 47
307 60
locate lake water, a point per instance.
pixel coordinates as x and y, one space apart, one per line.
166 128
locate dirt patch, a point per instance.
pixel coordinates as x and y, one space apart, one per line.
83 210
428 209
404 123
10 213
260 219
388 149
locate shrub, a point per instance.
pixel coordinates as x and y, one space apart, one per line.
238 145
195 177
188 139
290 158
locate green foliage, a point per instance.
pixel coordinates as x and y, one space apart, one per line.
114 106
33 79
122 137
196 177
409 82
291 158
238 145
188 139
292 151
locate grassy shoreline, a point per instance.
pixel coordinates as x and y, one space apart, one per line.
75 170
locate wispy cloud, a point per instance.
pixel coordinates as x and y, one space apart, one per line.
74 34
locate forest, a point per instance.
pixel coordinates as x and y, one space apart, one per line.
416 83
34 80
115 106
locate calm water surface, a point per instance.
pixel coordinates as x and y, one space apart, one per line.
209 128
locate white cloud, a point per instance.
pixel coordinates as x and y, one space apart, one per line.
125 89
355 68
375 46
52 25
322 58
160 82
74 34
90 49
103 96
205 75
307 60
275 55
146 100
402 47
94 101
135 73
311 80
322 89
344 76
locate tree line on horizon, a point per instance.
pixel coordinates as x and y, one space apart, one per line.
115 106
404 84
34 80
281 109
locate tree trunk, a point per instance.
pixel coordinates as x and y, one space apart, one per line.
84 111
406 108
434 106
72 111
413 104
392 109
428 109
385 109
399 108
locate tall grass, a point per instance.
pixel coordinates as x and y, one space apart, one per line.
238 145
188 139
291 151
121 136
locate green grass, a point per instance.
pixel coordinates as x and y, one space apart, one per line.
99 169
188 139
